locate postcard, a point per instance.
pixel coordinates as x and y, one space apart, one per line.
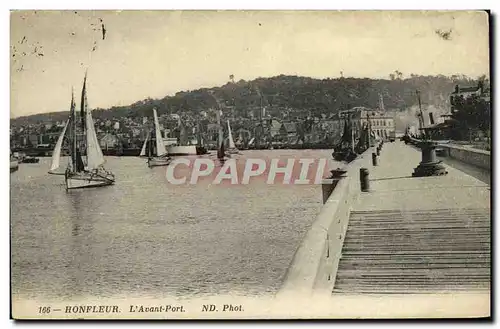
189 164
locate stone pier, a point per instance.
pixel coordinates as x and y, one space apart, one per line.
416 234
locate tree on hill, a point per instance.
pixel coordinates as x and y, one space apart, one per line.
471 114
318 96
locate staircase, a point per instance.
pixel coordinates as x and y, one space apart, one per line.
431 251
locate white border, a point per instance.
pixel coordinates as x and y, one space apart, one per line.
186 4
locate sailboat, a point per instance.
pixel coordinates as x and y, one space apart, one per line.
344 150
78 174
200 148
221 152
232 148
157 156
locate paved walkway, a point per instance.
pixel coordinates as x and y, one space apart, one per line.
416 235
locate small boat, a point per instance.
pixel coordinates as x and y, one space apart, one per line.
159 161
157 154
19 156
345 149
232 148
30 159
201 150
14 164
79 174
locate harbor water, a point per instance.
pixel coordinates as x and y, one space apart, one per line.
146 237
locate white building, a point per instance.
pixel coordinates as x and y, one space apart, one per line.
381 122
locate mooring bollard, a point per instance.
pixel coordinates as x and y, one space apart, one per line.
374 159
363 179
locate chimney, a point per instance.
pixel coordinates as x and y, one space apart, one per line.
431 118
456 89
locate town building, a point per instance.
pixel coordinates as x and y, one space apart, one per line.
275 127
288 132
381 122
465 92
109 141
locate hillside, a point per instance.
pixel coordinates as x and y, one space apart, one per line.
300 93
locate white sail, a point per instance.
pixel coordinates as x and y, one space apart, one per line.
160 146
95 158
56 154
231 141
143 150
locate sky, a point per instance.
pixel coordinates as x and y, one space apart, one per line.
158 53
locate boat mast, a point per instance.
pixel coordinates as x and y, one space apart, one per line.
421 121
150 145
198 129
83 102
182 133
73 132
352 133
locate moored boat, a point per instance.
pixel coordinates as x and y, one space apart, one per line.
159 161
30 159
345 149
14 164
155 147
201 150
